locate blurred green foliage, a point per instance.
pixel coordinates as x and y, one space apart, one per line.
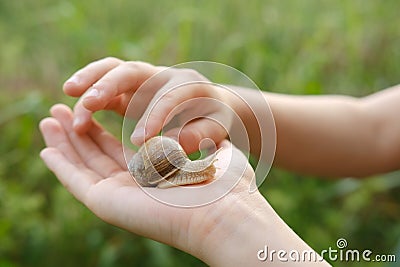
296 47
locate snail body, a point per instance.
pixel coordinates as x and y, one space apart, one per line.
162 162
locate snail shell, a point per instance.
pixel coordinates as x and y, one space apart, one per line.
162 162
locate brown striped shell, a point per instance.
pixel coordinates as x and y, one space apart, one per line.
162 162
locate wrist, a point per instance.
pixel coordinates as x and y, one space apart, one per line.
247 226
249 118
230 232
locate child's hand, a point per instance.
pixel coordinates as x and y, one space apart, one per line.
92 167
110 83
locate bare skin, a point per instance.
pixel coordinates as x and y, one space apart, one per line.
335 136
323 135
213 232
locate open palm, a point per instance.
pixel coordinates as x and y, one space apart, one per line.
92 167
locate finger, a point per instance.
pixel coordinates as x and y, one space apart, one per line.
77 180
194 132
108 144
81 80
83 118
90 153
161 107
106 93
239 165
118 104
55 136
126 77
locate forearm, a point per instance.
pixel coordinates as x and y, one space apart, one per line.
323 135
330 135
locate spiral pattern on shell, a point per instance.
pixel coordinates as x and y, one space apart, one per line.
162 162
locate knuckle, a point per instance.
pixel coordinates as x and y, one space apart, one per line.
130 64
190 71
136 64
192 74
106 61
168 97
111 60
164 98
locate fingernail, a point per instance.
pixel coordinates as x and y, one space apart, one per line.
93 92
73 79
138 135
77 122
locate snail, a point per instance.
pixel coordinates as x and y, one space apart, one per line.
162 162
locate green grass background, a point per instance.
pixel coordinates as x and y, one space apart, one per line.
293 47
